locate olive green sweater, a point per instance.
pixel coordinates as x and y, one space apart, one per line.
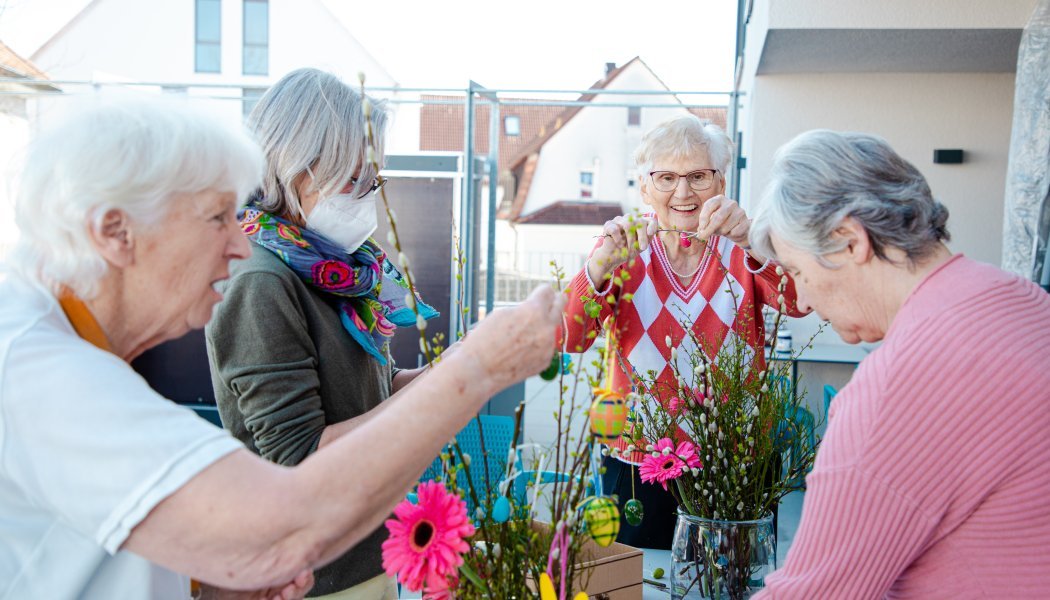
283 368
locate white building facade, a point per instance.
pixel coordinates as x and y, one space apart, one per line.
224 51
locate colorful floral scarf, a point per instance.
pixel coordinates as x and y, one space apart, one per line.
371 291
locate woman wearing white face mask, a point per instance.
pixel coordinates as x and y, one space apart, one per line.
298 346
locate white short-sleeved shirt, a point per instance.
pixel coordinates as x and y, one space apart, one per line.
87 450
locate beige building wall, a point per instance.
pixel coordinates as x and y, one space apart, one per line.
916 113
907 14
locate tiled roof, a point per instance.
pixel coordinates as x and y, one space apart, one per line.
568 113
573 212
441 129
715 114
441 126
13 65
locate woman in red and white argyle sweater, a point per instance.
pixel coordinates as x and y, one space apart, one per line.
682 261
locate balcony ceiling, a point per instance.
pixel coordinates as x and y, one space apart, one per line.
889 51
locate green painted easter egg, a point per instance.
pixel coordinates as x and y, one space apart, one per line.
633 511
603 520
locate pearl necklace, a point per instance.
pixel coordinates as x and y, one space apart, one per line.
703 255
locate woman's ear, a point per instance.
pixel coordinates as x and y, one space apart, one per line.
858 244
643 189
113 238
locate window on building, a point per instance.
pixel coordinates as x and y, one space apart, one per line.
634 115
586 184
512 125
256 37
208 37
249 98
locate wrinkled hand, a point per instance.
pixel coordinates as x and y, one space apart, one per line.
722 216
630 233
293 590
511 344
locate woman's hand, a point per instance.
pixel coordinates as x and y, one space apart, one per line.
724 217
511 344
293 590
629 233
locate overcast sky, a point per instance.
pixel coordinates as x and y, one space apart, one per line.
560 44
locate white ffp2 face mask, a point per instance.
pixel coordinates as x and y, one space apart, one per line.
344 219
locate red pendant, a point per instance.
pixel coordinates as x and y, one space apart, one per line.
683 239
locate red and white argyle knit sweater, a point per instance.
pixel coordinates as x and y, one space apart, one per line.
660 303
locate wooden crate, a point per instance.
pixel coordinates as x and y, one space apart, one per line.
612 573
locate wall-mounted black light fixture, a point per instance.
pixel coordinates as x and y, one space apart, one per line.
942 156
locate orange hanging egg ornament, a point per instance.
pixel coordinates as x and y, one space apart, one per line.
608 415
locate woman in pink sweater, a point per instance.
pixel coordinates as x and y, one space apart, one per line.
933 480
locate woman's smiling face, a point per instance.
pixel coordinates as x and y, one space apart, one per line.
680 208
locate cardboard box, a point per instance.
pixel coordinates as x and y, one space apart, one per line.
612 573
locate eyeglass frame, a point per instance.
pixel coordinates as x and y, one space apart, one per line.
377 182
680 176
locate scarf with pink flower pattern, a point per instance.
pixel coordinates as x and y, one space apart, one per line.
372 293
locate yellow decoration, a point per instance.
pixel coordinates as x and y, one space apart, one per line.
603 520
547 590
608 415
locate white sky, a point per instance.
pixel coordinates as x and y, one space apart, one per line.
561 44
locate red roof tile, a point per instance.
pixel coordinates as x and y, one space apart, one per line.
441 126
573 212
16 66
441 129
715 114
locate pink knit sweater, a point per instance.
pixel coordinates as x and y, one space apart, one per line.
934 478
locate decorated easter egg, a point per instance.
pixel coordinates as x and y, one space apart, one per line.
602 519
501 510
608 415
552 369
633 511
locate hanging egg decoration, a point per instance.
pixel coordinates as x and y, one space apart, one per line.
552 369
608 415
501 510
566 363
602 519
633 512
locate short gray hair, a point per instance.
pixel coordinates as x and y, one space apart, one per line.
821 177
132 153
682 137
310 118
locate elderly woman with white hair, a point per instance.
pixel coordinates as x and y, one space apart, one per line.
299 346
128 220
680 259
932 479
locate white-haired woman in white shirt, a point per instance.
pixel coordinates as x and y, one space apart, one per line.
127 214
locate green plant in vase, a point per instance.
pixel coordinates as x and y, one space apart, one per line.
729 437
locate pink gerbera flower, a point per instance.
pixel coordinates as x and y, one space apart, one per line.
666 467
426 543
442 593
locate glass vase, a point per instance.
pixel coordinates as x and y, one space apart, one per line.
721 560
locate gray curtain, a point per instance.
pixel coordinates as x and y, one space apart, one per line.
1026 226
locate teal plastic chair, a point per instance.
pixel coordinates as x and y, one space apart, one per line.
207 412
487 469
829 394
796 427
801 425
523 479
